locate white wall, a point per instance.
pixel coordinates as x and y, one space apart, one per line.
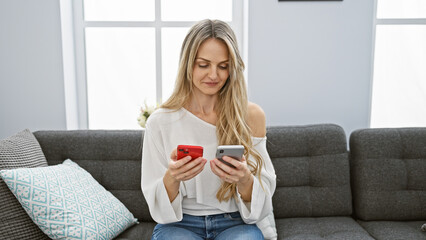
310 62
31 77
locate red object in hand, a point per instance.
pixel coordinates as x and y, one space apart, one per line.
189 150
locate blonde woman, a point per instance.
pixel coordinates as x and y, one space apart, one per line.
204 198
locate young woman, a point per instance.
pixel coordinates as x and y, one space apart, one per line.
204 198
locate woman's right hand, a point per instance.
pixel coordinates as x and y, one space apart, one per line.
181 170
184 168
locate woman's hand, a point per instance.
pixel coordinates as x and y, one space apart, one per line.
185 168
240 175
181 170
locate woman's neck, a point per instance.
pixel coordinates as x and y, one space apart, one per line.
202 105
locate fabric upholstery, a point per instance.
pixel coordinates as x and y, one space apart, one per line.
394 230
65 201
107 155
388 170
18 151
143 230
323 228
312 168
311 164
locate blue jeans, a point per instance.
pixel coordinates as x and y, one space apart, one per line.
217 227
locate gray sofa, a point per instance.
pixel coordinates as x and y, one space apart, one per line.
375 191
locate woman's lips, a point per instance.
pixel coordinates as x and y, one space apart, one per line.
212 84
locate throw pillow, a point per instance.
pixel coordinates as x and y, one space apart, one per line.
65 201
18 151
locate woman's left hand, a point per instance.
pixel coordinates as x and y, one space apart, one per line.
240 175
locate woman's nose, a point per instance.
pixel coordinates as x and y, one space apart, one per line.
213 73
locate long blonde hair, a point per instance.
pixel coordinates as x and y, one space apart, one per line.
231 109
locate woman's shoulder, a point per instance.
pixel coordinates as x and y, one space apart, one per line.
256 120
163 115
161 110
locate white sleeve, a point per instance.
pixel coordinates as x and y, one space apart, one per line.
154 166
261 198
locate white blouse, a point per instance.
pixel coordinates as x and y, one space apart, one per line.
165 129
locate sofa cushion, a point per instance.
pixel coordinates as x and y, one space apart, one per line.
394 230
66 202
112 157
320 229
388 169
312 167
18 151
143 230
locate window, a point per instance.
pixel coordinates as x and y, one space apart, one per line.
399 75
126 53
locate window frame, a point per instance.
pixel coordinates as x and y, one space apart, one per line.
74 51
384 21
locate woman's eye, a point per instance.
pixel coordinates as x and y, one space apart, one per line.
202 65
224 67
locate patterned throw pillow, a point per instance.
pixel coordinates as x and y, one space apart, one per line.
21 150
65 201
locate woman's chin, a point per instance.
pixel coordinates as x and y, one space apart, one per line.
209 92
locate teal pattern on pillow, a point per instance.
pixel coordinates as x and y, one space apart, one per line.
65 201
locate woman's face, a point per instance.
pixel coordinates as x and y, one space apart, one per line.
211 68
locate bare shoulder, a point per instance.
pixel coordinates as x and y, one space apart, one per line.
256 120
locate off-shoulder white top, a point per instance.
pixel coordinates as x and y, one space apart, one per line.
165 129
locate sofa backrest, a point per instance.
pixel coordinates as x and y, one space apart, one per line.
312 168
388 169
112 157
311 164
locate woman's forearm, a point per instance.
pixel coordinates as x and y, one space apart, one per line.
245 189
172 186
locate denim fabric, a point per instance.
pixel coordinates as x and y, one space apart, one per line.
217 227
